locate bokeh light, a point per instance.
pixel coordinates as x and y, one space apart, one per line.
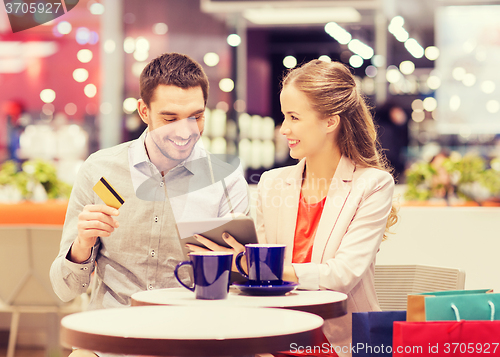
90 90
233 40
80 75
47 95
211 59
84 56
226 85
289 61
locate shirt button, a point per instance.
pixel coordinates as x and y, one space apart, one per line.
153 253
150 287
156 218
84 268
161 184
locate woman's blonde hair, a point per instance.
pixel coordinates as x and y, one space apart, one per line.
331 90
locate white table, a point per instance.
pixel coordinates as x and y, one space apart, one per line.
324 303
190 330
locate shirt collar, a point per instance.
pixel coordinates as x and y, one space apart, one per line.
140 159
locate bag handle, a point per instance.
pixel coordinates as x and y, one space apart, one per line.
492 307
455 310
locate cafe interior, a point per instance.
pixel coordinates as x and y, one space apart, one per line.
428 69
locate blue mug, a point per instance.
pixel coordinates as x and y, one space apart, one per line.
211 271
264 262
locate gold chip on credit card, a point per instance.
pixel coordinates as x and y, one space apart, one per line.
108 194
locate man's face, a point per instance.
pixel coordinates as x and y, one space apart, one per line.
175 121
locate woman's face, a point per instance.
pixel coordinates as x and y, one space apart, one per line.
305 131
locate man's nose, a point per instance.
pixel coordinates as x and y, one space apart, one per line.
185 128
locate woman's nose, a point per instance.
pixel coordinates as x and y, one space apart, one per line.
284 130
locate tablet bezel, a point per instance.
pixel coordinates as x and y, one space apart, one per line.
242 228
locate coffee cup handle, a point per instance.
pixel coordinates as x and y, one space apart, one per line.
177 276
238 264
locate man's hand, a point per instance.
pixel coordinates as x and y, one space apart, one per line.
94 221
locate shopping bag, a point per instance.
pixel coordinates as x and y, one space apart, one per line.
372 332
446 338
416 303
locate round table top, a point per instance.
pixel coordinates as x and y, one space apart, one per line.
190 330
324 303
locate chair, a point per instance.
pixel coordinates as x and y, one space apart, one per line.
394 282
26 254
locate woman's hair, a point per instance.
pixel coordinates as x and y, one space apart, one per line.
172 69
331 90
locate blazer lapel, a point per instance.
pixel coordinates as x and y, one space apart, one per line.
338 192
289 207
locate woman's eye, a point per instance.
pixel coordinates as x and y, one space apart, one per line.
294 118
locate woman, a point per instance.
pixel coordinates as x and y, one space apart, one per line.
333 208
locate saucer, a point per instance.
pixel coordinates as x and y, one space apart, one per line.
266 290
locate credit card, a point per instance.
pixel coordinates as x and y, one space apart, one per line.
108 194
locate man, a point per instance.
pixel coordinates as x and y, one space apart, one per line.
163 176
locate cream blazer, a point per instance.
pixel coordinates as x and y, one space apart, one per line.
347 239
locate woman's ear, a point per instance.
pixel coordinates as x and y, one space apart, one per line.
143 111
332 123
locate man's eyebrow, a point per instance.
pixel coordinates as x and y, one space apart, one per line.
166 112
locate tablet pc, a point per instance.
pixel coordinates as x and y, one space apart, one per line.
242 228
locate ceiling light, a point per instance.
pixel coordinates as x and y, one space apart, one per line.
310 15
361 49
414 48
338 33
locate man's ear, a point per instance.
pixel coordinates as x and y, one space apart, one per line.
332 123
143 111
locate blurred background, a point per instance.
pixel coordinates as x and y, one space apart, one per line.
428 69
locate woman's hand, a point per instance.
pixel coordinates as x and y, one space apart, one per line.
236 248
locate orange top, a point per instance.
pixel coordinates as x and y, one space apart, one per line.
307 222
50 212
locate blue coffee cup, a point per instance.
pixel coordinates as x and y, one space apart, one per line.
264 262
211 271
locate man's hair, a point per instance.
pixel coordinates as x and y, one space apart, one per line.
172 69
